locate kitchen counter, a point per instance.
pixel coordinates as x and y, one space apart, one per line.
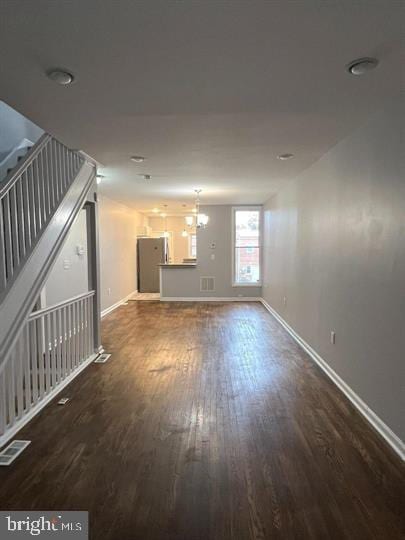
178 265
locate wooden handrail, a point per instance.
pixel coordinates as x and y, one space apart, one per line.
54 345
23 165
44 311
30 196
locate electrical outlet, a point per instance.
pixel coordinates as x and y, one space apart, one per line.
333 337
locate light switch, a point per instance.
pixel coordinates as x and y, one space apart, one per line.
66 264
80 250
212 256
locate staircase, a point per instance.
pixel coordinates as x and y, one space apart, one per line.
41 351
11 160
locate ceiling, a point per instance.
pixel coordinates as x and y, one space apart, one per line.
209 92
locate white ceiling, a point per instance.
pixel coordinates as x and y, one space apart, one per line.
210 92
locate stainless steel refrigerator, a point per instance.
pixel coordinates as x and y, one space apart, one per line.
151 252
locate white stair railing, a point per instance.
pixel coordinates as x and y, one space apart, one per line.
55 344
29 196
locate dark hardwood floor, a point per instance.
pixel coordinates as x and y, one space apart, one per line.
208 422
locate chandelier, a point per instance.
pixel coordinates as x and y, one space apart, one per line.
199 220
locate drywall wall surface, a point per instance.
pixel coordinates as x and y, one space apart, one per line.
69 275
218 232
117 236
334 260
14 127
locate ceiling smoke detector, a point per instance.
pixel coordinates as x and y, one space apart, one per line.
60 76
361 66
137 159
284 157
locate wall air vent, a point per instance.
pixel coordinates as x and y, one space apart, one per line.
207 284
12 451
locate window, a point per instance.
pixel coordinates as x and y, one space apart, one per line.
246 246
192 246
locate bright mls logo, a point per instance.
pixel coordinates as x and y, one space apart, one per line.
63 525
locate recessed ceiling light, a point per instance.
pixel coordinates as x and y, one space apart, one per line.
284 157
361 65
137 159
145 176
155 210
60 76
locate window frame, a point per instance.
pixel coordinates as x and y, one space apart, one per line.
256 208
190 243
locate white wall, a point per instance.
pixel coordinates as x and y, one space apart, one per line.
186 283
117 234
335 248
175 225
69 275
117 237
14 128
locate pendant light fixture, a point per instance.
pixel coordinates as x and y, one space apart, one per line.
165 234
201 219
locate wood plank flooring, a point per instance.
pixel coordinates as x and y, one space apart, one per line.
208 423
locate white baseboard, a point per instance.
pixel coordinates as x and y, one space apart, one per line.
108 310
210 299
41 404
393 440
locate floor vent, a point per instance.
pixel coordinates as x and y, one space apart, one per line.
12 451
207 284
102 359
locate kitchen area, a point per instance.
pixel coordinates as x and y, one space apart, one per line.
167 241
